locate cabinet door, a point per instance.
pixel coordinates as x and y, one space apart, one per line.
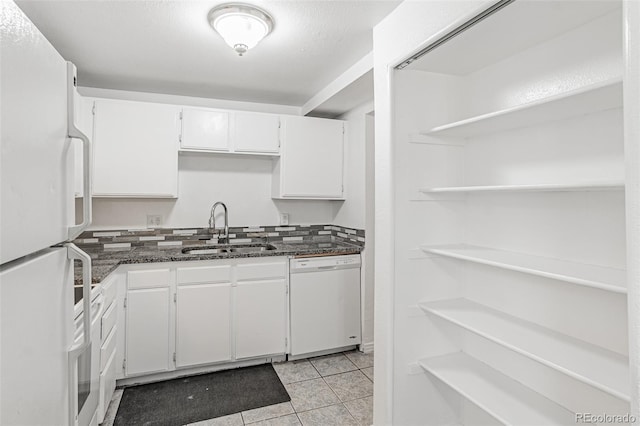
147 337
260 318
254 132
135 152
203 324
205 129
311 158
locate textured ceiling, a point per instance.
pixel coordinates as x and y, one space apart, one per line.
169 47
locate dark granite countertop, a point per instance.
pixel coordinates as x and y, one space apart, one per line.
106 260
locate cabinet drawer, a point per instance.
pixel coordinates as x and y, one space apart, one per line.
148 279
204 274
108 348
255 271
109 290
108 321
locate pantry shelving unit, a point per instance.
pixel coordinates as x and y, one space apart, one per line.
510 180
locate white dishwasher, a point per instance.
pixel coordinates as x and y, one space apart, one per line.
325 304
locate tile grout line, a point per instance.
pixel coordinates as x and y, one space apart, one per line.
315 378
357 399
268 418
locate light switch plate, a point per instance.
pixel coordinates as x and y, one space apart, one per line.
284 218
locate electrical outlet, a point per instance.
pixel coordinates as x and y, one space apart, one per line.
284 218
154 220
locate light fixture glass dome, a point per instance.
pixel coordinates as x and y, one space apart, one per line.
241 26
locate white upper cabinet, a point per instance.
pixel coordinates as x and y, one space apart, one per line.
204 129
255 132
135 152
311 159
231 132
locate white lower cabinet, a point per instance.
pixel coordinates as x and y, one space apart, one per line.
203 328
147 333
192 314
260 318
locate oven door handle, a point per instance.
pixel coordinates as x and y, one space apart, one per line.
74 253
77 349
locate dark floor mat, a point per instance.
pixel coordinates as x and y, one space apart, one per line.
192 399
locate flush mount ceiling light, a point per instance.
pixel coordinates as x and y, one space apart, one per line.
242 26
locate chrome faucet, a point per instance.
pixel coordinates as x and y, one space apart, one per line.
212 219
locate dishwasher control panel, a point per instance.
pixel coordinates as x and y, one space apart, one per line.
325 262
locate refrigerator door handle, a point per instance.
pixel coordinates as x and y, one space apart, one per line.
74 132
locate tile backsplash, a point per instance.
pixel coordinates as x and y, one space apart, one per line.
196 236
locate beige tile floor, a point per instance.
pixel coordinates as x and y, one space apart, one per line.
329 390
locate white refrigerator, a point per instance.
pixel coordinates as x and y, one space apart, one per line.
47 359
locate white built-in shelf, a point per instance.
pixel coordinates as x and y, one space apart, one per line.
600 96
595 366
604 278
544 187
498 395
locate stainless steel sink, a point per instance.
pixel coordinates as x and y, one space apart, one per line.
229 248
200 250
251 249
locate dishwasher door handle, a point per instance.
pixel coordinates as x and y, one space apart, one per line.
328 267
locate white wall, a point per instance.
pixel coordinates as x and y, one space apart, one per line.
354 212
242 183
369 270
